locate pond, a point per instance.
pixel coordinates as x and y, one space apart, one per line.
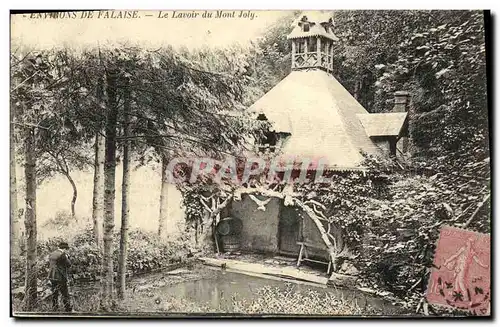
230 291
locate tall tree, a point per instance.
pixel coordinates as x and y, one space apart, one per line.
14 216
30 219
63 145
163 196
122 261
31 95
109 186
98 188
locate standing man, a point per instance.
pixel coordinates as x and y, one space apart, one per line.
58 276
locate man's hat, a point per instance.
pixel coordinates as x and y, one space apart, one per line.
63 245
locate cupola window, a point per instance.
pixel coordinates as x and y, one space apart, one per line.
312 42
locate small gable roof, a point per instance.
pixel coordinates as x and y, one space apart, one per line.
320 25
315 16
383 124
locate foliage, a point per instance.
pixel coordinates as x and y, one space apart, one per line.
402 230
391 218
187 102
46 93
183 102
147 253
444 65
193 207
344 199
268 59
273 300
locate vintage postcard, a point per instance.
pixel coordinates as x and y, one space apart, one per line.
250 163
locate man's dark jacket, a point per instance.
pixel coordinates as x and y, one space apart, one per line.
58 265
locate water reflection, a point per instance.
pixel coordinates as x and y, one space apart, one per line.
219 291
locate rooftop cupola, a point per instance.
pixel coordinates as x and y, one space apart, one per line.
312 41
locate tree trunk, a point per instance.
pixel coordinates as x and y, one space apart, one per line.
75 195
122 263
64 169
163 196
332 251
109 190
30 221
14 215
98 193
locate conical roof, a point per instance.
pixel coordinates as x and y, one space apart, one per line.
321 117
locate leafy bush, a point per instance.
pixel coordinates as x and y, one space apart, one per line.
273 300
401 232
63 224
146 253
61 218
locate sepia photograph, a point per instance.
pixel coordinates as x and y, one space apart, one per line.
250 163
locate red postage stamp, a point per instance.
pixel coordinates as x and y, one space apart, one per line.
460 277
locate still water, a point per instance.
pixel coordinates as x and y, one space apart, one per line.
218 291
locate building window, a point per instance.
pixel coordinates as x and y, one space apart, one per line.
301 46
306 28
323 46
268 142
312 46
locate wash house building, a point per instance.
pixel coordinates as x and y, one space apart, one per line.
314 116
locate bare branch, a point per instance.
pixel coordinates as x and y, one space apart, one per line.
30 125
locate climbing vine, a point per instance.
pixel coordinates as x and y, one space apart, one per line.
389 216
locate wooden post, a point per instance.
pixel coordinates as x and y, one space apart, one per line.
293 53
328 57
392 146
318 51
306 51
331 55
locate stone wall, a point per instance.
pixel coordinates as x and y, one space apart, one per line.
260 228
